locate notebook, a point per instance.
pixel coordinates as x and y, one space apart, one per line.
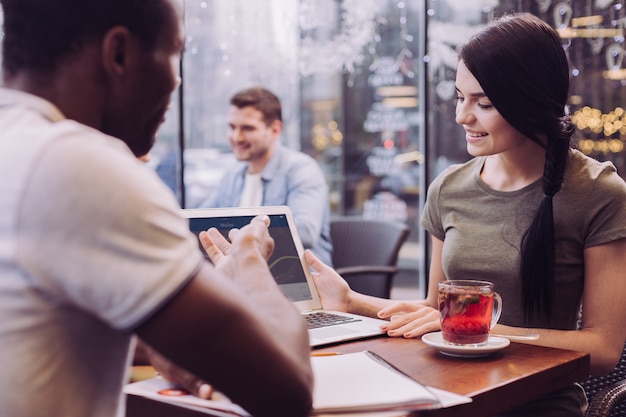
290 270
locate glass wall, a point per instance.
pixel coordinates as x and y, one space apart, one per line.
381 159
347 73
367 88
230 45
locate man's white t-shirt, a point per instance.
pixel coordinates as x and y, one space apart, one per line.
91 245
252 193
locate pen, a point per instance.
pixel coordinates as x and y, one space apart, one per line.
325 353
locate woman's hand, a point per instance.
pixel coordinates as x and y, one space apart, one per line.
410 319
334 291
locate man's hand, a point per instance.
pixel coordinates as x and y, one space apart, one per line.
178 375
253 236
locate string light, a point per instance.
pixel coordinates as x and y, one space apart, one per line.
592 121
326 136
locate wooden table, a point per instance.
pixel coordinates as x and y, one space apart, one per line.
496 383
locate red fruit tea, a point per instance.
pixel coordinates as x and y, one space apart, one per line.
466 314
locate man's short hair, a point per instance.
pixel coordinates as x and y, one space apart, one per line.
38 34
261 99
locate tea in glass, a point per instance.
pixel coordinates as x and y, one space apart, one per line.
467 311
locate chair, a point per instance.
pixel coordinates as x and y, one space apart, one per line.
607 394
365 252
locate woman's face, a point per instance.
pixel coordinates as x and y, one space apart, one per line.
486 131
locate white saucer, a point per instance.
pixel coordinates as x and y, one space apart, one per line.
493 344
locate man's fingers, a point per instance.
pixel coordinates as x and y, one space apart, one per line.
211 249
178 375
262 218
195 385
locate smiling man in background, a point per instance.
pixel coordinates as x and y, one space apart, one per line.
269 174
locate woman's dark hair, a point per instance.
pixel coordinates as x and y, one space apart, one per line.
262 100
520 63
40 33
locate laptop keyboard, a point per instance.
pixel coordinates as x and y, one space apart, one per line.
323 319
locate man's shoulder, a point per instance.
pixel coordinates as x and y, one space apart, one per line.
11 99
28 115
296 158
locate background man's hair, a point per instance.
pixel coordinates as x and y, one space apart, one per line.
261 99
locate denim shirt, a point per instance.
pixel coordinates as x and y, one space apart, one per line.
293 179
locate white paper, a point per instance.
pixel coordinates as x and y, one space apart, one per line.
358 381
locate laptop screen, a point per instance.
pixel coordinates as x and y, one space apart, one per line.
285 263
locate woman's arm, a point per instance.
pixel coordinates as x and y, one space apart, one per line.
336 294
604 316
406 318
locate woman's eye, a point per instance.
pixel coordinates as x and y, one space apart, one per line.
485 106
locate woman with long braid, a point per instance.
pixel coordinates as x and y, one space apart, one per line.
541 220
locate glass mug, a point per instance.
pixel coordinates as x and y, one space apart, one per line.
469 309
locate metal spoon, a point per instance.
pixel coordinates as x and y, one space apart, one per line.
530 336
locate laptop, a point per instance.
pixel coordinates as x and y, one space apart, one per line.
290 270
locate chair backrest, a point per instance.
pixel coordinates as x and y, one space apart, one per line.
365 252
607 394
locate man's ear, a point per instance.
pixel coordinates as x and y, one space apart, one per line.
277 127
116 48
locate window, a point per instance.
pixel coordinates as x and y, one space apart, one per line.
367 88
